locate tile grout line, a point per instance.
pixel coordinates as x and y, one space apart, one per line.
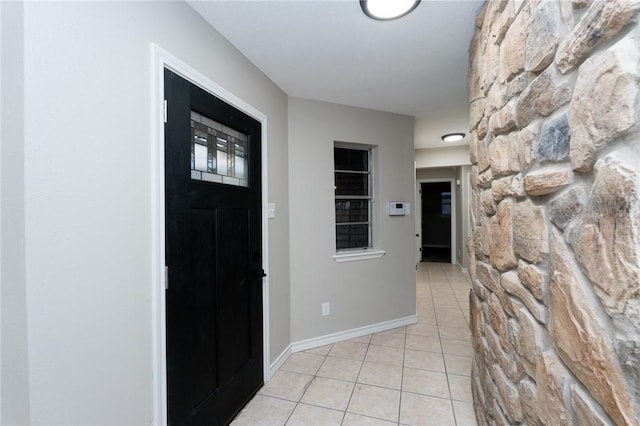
355 382
404 351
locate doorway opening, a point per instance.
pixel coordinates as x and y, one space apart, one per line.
437 214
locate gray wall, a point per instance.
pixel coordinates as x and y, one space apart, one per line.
362 292
436 173
86 293
14 370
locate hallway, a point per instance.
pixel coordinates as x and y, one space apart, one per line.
415 375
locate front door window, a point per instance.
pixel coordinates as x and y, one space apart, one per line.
218 153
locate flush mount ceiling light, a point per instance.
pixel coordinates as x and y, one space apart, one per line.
386 10
453 137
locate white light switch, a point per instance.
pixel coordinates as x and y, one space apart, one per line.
271 210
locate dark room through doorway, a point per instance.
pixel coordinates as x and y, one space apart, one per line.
436 221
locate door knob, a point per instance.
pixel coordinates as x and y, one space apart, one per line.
259 274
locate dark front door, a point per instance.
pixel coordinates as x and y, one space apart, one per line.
213 255
436 222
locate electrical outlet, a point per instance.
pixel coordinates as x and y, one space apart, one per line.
326 309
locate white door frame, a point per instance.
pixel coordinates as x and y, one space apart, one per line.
161 59
452 183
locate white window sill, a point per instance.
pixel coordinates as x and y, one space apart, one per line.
351 256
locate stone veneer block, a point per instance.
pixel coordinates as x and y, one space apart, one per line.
487 202
530 232
518 84
490 65
605 101
501 188
553 144
496 99
504 119
546 181
603 20
542 36
474 85
511 48
526 141
545 94
476 319
485 178
530 341
476 112
505 360
551 380
473 178
566 206
473 147
508 396
508 186
580 331
477 242
588 412
503 157
472 257
485 242
608 246
510 282
488 276
482 156
534 278
498 320
527 391
500 24
501 237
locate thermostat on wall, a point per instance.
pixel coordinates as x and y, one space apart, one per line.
398 208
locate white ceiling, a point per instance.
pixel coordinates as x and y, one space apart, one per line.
330 51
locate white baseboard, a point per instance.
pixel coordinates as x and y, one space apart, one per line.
315 342
277 363
462 269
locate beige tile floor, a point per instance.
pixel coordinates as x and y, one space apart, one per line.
414 375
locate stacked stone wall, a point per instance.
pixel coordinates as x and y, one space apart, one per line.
555 146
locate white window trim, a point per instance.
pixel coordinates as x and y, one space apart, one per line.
350 256
356 254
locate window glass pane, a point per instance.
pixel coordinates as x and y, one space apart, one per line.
445 205
218 153
352 176
352 183
201 152
351 159
352 236
221 148
240 161
352 211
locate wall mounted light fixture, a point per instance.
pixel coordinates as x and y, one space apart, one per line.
453 137
386 10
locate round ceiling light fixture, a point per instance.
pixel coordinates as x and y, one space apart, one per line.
386 10
453 137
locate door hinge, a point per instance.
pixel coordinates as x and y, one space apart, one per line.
166 278
165 111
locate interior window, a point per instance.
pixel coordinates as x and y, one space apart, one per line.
353 197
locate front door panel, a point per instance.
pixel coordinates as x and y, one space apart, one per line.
213 251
